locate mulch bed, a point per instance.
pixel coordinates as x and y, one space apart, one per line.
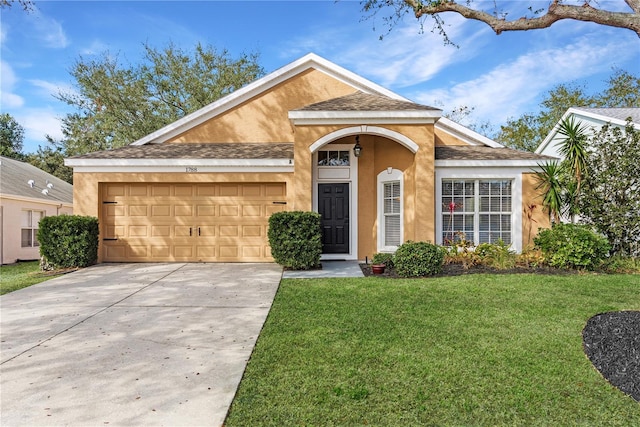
459 270
612 343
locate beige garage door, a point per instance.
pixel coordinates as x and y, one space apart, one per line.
188 222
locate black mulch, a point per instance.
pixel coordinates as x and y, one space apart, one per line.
612 343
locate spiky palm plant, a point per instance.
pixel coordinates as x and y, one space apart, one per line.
549 180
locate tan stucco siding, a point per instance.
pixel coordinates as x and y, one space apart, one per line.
87 186
445 139
539 218
265 117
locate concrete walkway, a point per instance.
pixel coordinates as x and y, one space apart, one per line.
131 344
329 269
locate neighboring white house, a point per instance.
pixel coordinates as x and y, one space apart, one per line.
27 194
594 119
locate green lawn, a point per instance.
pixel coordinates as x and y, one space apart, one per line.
21 275
468 350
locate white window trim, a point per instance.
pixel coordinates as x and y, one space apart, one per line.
353 198
513 174
389 175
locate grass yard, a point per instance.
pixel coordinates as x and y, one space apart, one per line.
21 275
473 350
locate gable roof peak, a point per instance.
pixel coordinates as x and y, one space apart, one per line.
305 63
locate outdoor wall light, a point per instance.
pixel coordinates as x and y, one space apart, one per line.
357 149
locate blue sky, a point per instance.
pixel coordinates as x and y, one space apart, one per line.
499 76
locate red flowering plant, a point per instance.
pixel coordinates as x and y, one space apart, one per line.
452 206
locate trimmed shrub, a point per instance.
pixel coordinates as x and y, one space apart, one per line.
383 258
68 240
415 259
496 255
295 238
572 246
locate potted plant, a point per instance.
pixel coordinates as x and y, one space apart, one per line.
380 261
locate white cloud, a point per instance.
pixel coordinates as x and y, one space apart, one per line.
49 31
8 99
96 47
509 89
52 89
37 123
407 57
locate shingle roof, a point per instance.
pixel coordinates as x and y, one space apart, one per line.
615 113
15 176
360 101
485 153
196 151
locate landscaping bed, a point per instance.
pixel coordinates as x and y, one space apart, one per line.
456 269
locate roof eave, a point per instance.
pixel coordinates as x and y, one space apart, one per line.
364 117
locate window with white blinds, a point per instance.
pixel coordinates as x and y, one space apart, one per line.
390 210
477 210
391 194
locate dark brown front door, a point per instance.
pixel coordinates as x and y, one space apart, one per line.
333 206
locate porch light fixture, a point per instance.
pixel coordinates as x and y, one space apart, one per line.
357 148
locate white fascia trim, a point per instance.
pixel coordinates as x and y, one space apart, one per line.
465 134
261 85
578 114
180 163
359 130
35 200
183 169
363 117
488 163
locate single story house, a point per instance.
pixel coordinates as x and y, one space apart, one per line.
592 119
310 136
27 194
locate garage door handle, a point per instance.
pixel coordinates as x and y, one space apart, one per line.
279 203
190 232
108 239
198 231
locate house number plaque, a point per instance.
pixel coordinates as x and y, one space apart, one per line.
191 169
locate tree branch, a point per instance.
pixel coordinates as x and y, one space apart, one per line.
556 12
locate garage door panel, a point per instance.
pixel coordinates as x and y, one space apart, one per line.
189 222
205 210
229 210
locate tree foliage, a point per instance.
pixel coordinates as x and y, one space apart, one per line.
118 103
27 5
610 200
11 137
50 158
496 16
529 130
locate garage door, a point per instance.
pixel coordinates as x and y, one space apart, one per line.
188 222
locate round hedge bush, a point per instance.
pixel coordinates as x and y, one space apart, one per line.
572 246
415 259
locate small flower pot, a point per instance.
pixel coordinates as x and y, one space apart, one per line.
377 268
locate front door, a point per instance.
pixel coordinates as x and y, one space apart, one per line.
333 206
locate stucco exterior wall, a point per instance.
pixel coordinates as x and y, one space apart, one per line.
533 215
378 154
265 117
11 208
445 139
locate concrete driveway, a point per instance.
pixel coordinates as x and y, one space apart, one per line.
131 344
